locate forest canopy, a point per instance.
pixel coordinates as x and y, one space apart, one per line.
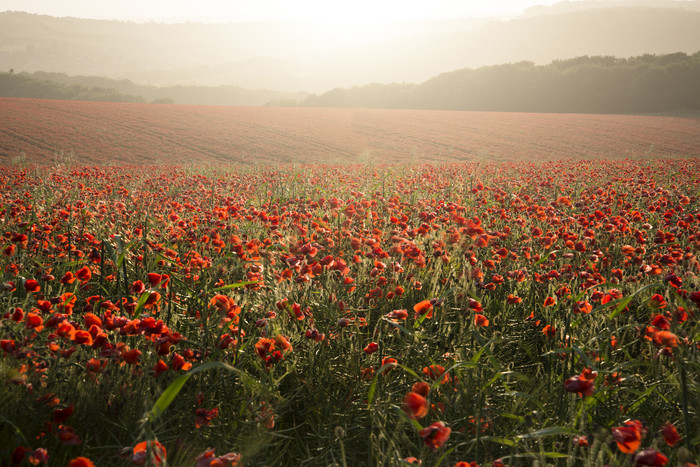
598 84
23 85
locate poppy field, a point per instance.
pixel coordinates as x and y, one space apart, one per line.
476 313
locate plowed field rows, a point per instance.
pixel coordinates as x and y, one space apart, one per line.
142 133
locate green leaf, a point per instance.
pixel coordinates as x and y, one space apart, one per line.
171 392
399 327
551 431
544 258
621 306
373 386
496 439
623 302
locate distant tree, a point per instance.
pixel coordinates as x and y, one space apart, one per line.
163 100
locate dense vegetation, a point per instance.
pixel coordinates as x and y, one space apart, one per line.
501 314
648 83
47 85
24 85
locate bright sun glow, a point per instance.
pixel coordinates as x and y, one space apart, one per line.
359 22
342 14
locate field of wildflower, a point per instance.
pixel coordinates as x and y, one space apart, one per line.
519 313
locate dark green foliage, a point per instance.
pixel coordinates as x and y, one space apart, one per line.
24 85
648 83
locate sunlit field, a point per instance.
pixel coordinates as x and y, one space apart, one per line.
492 313
41 131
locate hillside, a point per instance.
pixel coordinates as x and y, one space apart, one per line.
601 84
50 85
298 56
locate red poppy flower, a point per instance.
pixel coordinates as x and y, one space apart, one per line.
18 315
666 339
83 337
8 345
581 441
91 319
670 434
32 285
421 388
397 314
34 321
549 330
263 346
436 372
80 462
84 274
415 405
67 436
66 330
95 365
141 451
205 416
208 459
475 305
423 308
650 456
68 278
412 460
581 384
282 342
131 356
156 279
549 301
583 307
657 301
39 456
661 322
66 303
60 415
389 363
179 363
480 321
137 287
513 300
152 302
160 367
371 348
435 435
628 436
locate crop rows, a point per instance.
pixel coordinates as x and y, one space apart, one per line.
107 133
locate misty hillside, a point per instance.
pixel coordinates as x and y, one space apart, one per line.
295 56
600 84
52 85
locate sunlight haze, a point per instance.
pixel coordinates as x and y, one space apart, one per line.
314 46
223 11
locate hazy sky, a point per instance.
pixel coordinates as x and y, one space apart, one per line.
252 10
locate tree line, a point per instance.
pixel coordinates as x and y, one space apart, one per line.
586 84
23 85
52 85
